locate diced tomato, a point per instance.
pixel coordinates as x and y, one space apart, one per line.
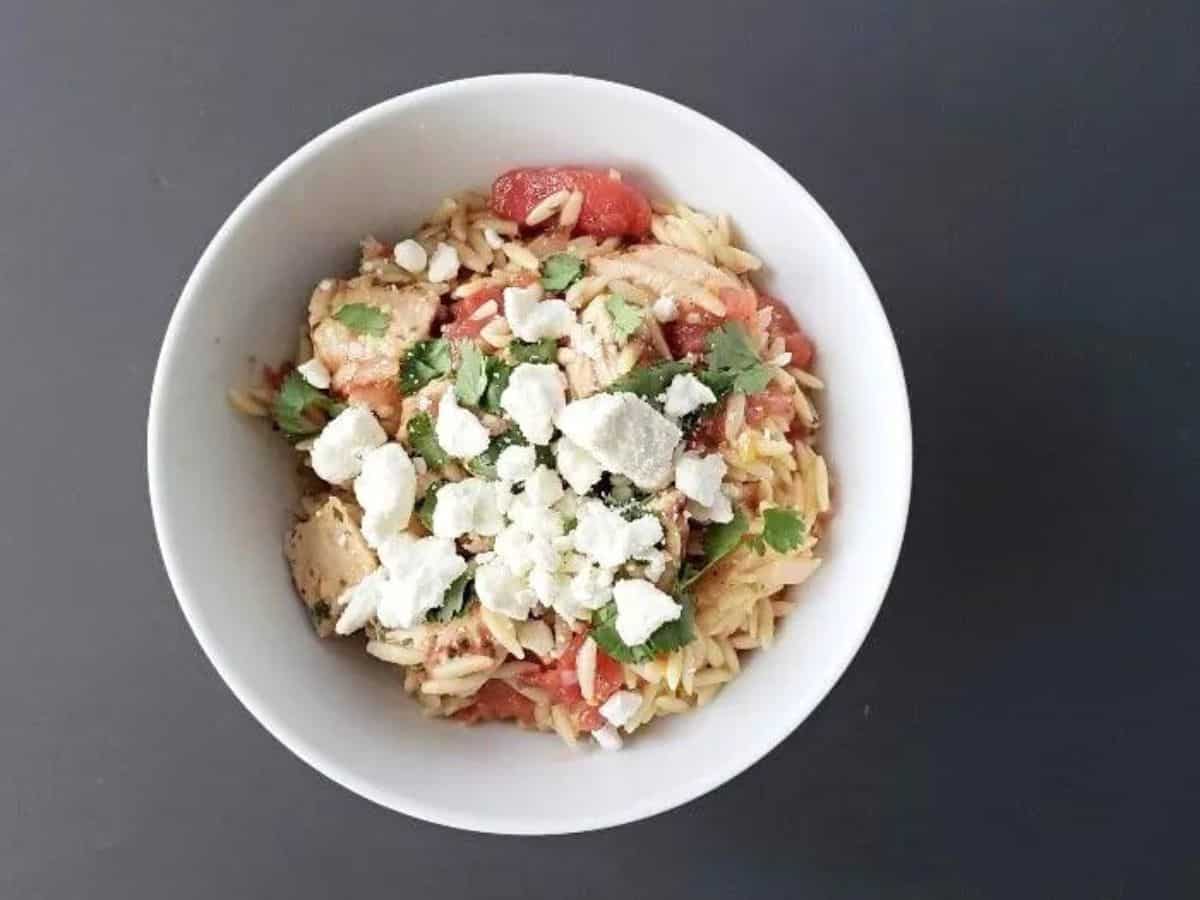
561 680
783 324
496 700
274 376
689 333
590 719
610 207
463 325
772 402
740 306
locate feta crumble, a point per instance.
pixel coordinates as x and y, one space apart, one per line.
608 739
410 256
472 506
603 535
516 463
443 265
536 393
359 602
665 309
699 477
531 318
625 434
544 487
419 572
315 373
641 610
686 394
720 512
576 465
386 490
501 590
618 708
338 450
458 431
589 589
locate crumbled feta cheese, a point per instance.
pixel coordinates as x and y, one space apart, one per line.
618 708
608 739
516 462
444 264
641 610
720 512
410 256
665 309
419 572
532 318
576 465
458 431
502 590
493 238
589 589
606 537
548 586
522 551
544 487
699 477
686 394
315 373
656 564
536 393
387 483
472 506
534 519
625 434
359 602
338 450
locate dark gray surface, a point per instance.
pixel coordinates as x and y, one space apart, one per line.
1018 179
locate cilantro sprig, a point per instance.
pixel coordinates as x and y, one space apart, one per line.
560 271
649 381
732 362
720 539
454 602
364 319
296 397
471 382
426 360
543 351
626 318
423 440
665 639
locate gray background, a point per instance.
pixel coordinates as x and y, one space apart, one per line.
1018 178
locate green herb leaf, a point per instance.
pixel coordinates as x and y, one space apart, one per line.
294 398
455 600
364 319
423 440
719 541
472 373
484 465
560 271
497 372
543 351
626 318
428 505
670 636
783 529
426 361
650 381
731 357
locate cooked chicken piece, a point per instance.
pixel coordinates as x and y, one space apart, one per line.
669 270
670 507
596 358
327 554
364 367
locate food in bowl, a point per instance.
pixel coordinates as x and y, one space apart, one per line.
558 455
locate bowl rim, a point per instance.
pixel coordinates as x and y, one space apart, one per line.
674 795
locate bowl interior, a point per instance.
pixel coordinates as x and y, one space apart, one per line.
222 486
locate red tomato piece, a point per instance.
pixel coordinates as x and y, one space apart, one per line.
561 679
610 207
740 306
464 326
274 377
590 719
772 402
783 324
496 700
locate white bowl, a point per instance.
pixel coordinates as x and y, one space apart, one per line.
222 488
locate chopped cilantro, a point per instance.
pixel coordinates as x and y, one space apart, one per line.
626 318
423 440
426 361
719 541
363 319
670 636
484 465
783 529
497 372
472 373
560 271
731 359
649 381
428 504
455 599
295 397
543 351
